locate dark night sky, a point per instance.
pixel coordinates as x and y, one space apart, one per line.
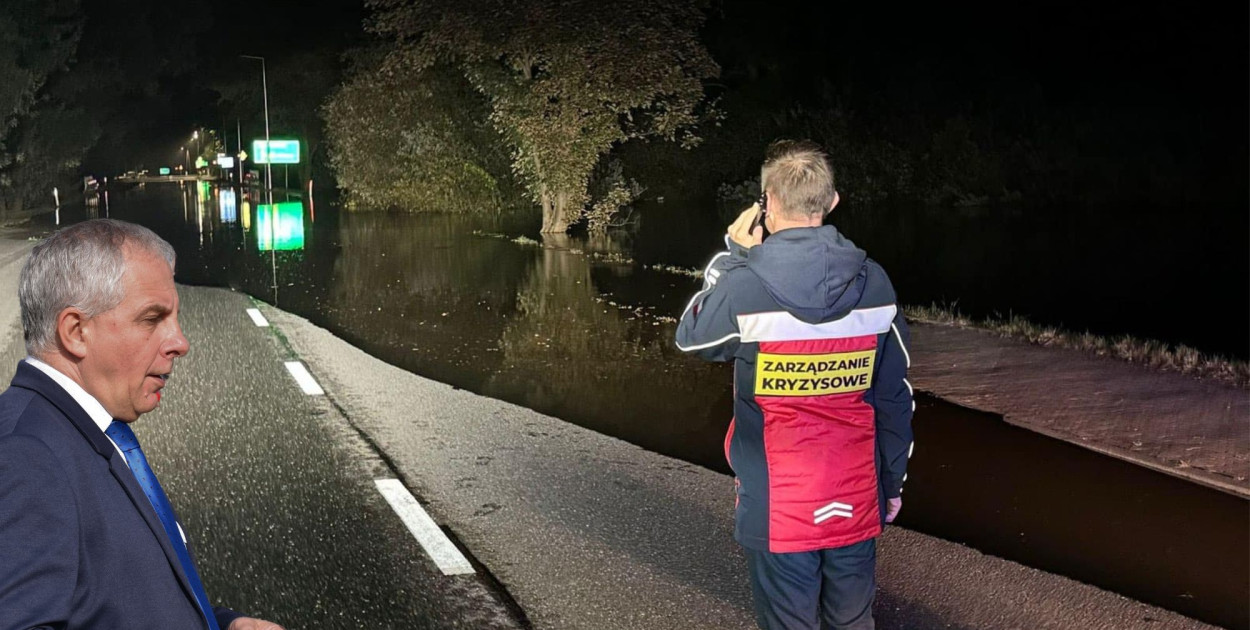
270 28
1098 54
1177 72
152 127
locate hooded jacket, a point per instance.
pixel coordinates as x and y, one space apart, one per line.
821 431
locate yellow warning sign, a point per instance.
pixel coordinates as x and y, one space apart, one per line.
813 374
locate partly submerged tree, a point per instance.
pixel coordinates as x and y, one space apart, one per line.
566 79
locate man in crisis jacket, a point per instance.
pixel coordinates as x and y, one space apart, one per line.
822 408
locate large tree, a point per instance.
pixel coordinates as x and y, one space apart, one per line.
567 80
37 40
66 87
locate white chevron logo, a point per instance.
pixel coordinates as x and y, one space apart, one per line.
831 510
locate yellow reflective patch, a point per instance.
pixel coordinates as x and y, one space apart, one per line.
813 374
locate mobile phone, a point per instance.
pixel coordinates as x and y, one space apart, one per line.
759 218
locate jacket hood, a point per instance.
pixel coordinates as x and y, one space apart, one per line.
814 273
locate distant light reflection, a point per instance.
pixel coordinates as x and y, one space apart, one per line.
226 203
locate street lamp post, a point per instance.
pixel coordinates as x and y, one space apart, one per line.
264 84
273 257
238 138
195 135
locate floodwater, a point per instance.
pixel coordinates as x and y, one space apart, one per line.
563 327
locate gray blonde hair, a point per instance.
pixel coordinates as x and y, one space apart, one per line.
797 173
80 266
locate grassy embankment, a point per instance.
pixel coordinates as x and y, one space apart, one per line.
1149 352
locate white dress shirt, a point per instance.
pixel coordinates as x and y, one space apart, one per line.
88 402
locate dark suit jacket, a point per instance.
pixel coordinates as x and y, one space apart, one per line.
80 545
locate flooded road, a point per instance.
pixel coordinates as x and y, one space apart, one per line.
588 340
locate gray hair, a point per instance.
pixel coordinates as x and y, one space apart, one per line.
80 266
798 174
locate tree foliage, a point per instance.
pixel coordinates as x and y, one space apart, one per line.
416 141
37 39
567 80
67 87
133 62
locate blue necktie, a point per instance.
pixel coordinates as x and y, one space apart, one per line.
125 439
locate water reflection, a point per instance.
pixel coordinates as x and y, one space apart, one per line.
203 193
545 326
423 294
226 203
575 353
280 226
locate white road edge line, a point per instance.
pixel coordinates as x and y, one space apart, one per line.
304 379
435 543
257 318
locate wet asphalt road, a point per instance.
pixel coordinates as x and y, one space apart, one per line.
278 492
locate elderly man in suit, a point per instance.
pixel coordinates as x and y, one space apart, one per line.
88 538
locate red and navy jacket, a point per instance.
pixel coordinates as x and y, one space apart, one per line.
821 431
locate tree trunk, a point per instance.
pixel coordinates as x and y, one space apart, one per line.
11 206
549 214
557 215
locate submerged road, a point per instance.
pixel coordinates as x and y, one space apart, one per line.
278 490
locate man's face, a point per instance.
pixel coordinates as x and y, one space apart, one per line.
131 348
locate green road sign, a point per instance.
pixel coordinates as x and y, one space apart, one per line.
164 170
200 163
278 152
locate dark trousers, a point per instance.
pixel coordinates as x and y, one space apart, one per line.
796 591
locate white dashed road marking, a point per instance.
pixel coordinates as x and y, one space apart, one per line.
432 539
305 380
259 319
448 558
